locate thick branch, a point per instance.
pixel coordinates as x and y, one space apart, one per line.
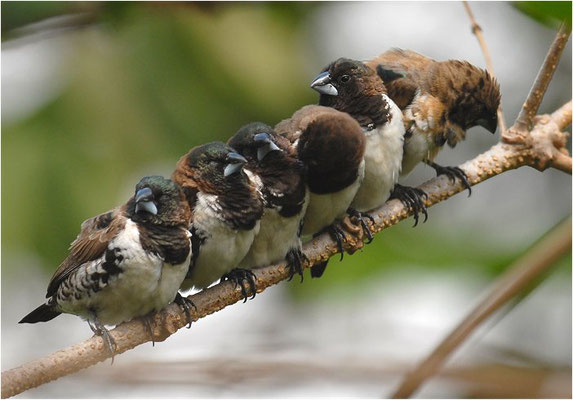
522 273
476 30
531 105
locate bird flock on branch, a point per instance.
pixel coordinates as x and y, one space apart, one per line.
230 208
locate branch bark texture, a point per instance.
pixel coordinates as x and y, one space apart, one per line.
524 120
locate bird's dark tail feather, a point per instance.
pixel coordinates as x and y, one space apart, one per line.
41 314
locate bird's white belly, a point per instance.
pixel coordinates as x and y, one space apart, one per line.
220 253
276 237
416 149
383 158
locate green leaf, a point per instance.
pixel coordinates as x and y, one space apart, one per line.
550 13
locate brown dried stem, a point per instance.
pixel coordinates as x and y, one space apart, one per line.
476 30
531 105
520 275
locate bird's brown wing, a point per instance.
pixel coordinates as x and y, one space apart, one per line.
292 127
402 72
91 243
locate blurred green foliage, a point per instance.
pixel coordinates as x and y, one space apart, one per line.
140 93
146 84
550 13
19 13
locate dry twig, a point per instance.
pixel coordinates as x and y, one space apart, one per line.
529 110
530 266
562 116
476 30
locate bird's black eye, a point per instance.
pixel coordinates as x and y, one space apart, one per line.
344 78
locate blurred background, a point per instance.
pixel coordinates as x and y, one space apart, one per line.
97 95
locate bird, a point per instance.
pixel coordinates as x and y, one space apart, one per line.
440 101
272 162
350 86
331 145
125 263
226 211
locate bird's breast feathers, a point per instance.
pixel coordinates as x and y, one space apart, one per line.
222 247
426 119
277 235
383 158
256 180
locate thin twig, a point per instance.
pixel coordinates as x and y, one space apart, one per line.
562 116
477 31
531 105
562 162
522 273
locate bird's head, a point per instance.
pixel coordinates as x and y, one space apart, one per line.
472 94
344 82
215 163
256 142
159 201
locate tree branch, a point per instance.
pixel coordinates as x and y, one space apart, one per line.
520 274
562 116
531 105
477 31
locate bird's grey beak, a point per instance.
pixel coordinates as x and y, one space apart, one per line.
322 84
266 145
236 162
490 125
144 201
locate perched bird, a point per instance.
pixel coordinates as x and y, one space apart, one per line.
226 209
440 100
330 144
272 161
352 87
125 263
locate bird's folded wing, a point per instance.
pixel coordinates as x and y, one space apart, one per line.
91 243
